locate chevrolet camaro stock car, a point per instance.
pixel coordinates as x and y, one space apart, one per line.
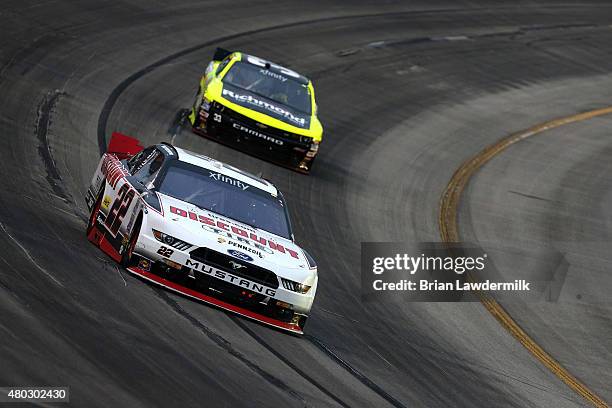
259 107
201 228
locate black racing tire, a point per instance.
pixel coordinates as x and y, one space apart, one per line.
196 108
302 322
127 255
311 164
91 224
196 119
307 169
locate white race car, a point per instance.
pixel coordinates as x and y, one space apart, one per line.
201 228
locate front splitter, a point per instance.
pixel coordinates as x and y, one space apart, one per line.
250 152
151 277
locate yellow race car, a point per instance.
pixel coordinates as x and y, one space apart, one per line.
259 107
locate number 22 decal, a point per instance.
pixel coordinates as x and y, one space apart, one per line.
163 251
119 209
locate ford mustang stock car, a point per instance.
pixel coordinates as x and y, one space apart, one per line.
201 228
259 107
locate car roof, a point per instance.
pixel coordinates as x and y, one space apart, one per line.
208 163
274 67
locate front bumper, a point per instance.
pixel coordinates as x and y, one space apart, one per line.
231 128
293 327
284 309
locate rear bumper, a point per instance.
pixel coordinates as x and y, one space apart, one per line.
230 128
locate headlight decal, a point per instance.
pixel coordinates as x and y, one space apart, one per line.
295 286
171 241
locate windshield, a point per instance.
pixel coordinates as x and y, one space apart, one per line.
226 196
269 84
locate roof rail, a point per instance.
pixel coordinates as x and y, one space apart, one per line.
170 146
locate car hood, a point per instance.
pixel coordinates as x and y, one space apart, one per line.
266 106
204 228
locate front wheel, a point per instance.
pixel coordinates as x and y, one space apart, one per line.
194 118
195 110
306 167
126 256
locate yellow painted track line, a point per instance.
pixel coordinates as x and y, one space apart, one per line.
449 232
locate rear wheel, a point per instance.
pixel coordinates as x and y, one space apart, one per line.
94 212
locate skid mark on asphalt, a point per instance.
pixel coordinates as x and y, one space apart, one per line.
530 196
354 372
227 346
43 122
43 125
339 315
285 360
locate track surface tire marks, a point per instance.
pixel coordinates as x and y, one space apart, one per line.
392 91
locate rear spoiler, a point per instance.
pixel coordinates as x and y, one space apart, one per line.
221 53
123 146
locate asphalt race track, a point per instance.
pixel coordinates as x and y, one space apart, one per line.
406 93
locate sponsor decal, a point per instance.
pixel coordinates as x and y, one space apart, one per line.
106 202
228 277
144 264
221 240
274 75
246 247
228 180
253 101
225 229
250 242
113 170
255 133
239 255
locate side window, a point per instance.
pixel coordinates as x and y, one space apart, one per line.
222 65
147 167
136 161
